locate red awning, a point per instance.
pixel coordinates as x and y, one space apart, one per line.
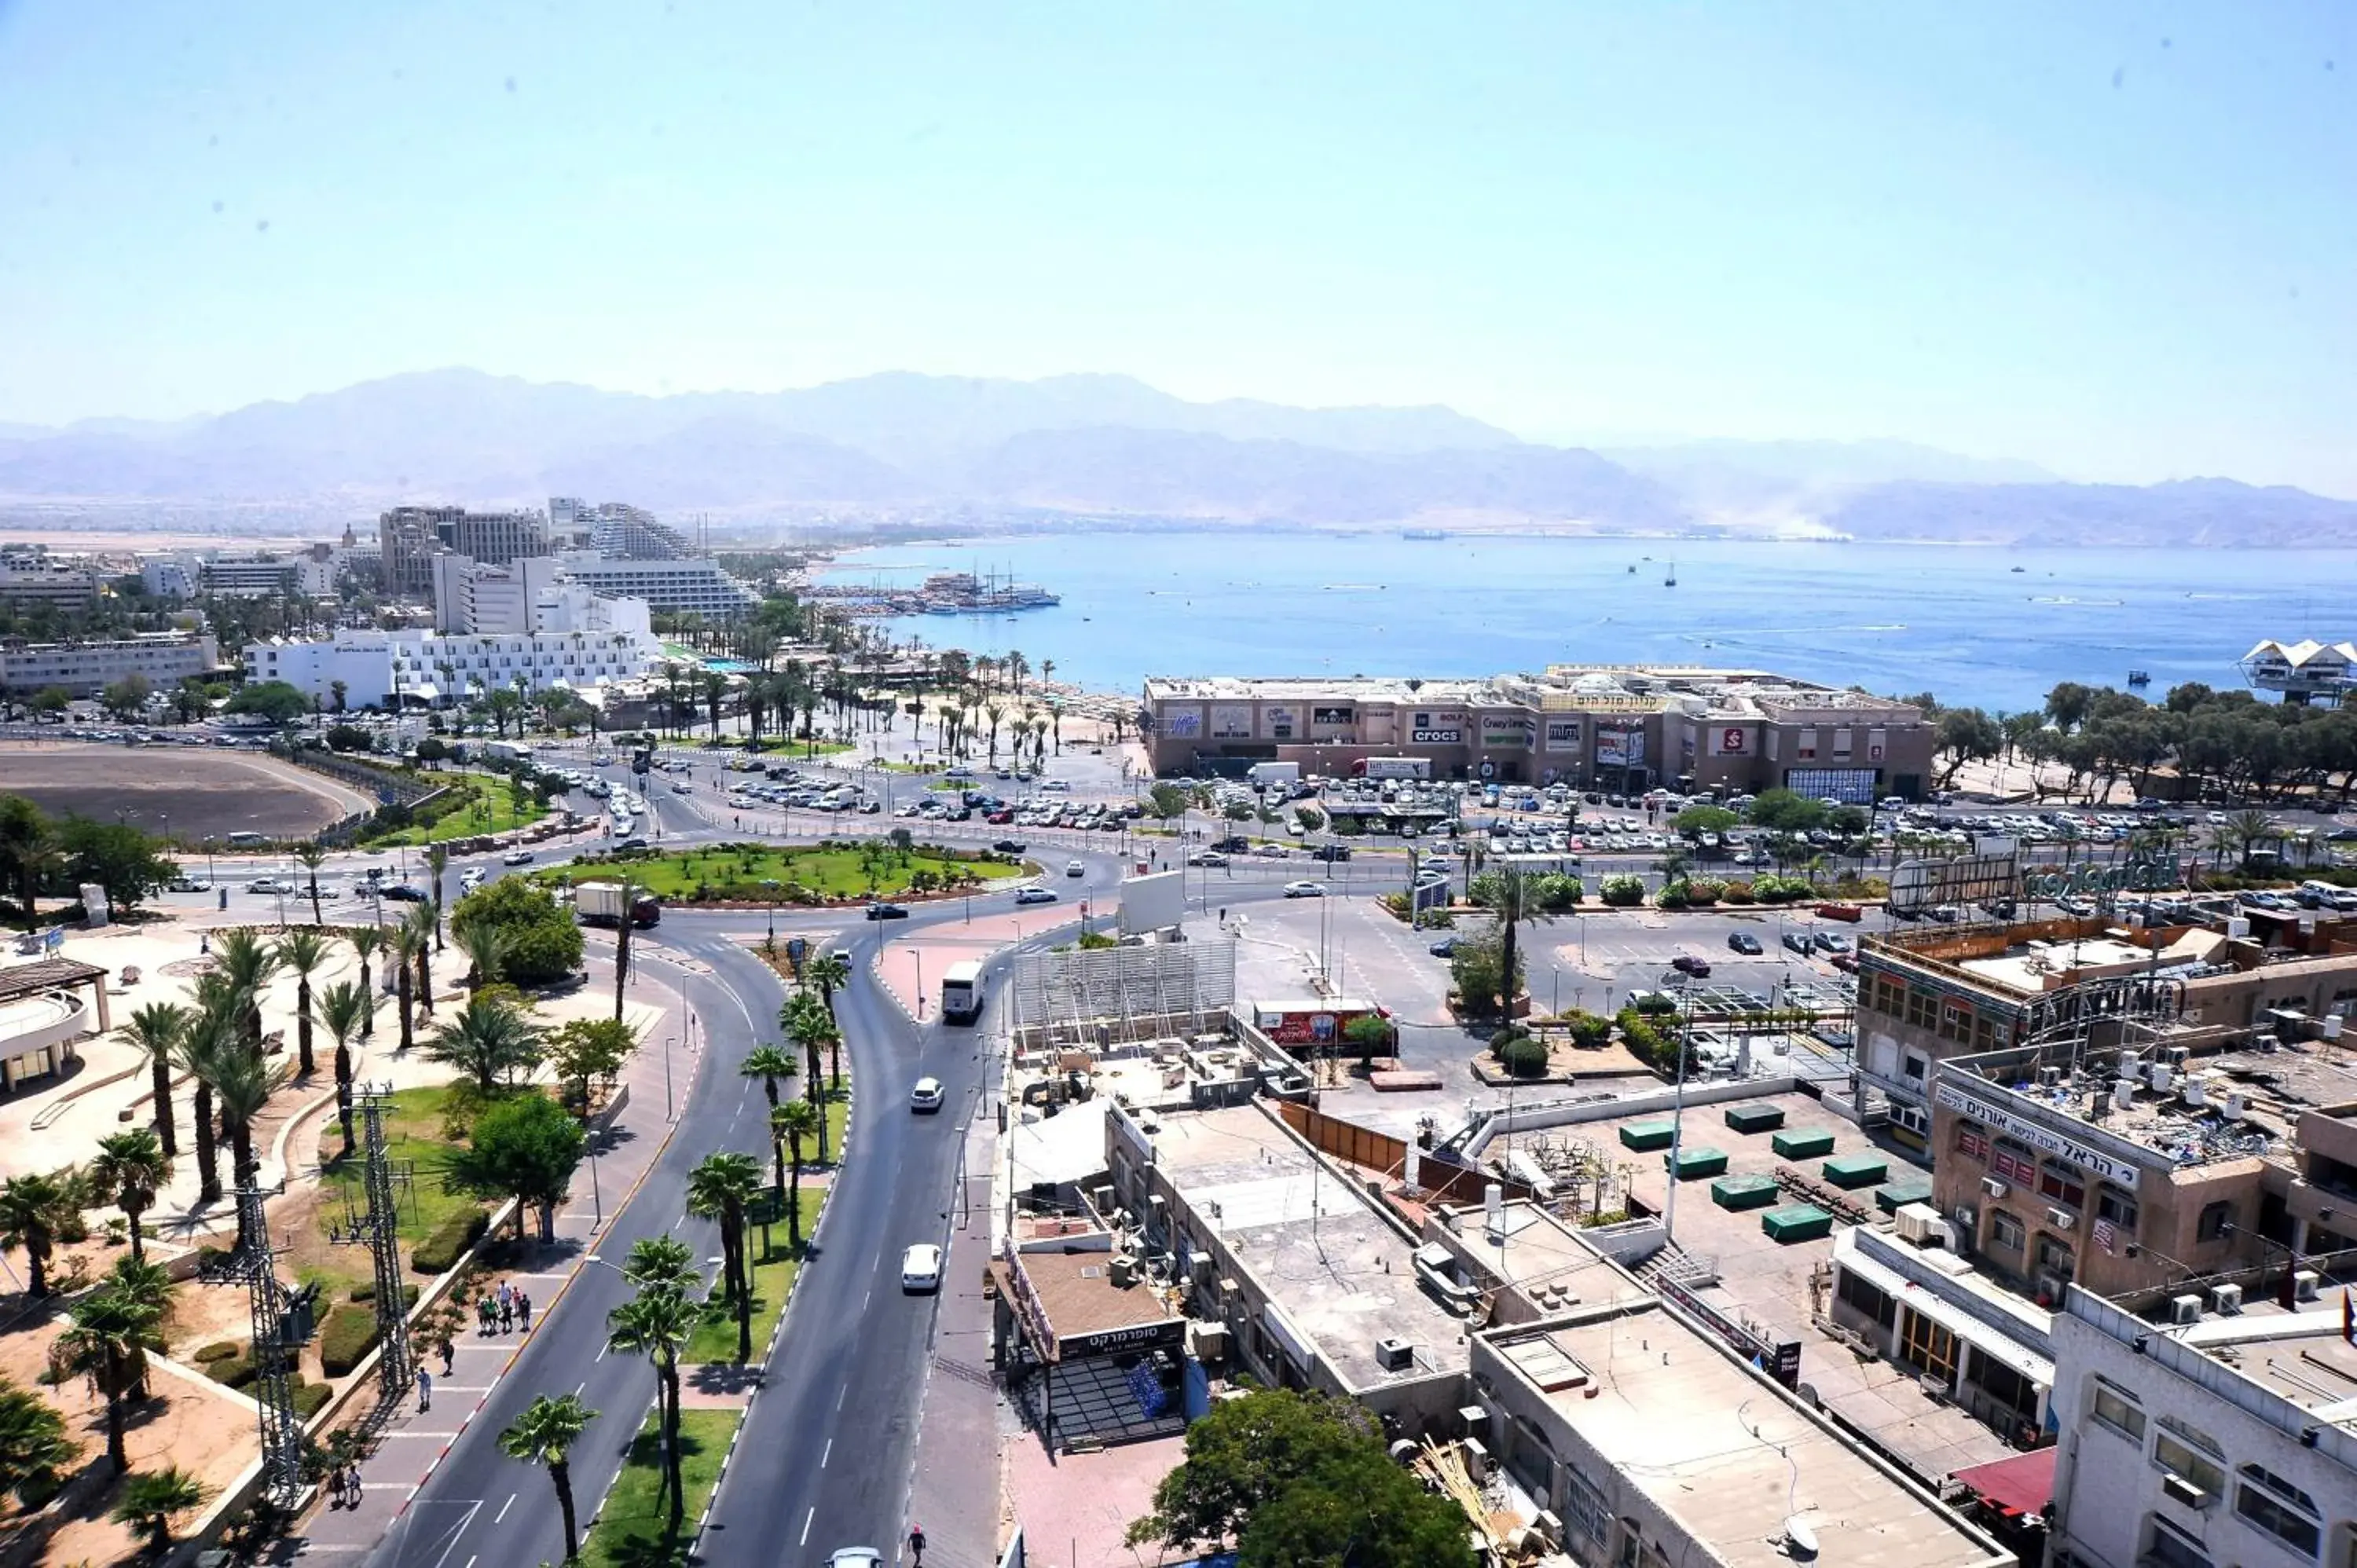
2017 1485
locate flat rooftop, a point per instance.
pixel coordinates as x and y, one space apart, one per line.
1711 1448
1341 1276
1076 1290
2297 1356
2206 1116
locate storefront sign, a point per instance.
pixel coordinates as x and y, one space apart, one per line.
1730 740
1507 731
2143 872
1232 721
1143 1336
1279 721
2078 1151
1563 735
1182 724
1437 736
1329 718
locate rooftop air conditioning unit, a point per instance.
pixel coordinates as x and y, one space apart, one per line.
2060 1218
2226 1298
2177 1489
1394 1354
1994 1188
2176 1055
1967 1216
2184 1309
2196 1092
2049 1076
1920 1224
2303 1285
2159 1077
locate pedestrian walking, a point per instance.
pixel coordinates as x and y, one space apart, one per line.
425 1390
484 1313
917 1543
523 1311
507 1295
352 1484
507 1313
204 944
449 1356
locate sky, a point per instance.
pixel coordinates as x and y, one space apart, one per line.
2118 240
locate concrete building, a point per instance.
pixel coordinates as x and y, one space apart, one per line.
85 669
44 1017
579 641
617 531
312 571
2226 1442
470 595
2323 673
1617 727
697 586
28 578
409 537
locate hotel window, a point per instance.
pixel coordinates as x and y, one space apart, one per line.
2062 1185
2014 1163
2190 1454
1956 1021
2117 1408
2280 1508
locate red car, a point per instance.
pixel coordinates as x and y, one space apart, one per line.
1850 912
1001 817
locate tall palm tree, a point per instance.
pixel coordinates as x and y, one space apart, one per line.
788 1125
658 1323
302 953
719 1187
28 850
156 1029
438 861
486 947
829 970
34 1207
769 1064
403 955
242 1084
425 926
130 1169
343 1013
662 1262
545 1435
108 1343
213 1030
367 942
805 1019
246 965
310 857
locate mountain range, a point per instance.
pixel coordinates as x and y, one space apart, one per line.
1089 446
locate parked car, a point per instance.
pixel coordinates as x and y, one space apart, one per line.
1796 942
1744 942
1826 941
887 912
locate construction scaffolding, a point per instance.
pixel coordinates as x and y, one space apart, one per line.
378 1228
282 1322
1111 996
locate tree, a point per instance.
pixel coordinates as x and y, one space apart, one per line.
1696 820
130 1168
545 1435
1476 968
50 701
769 1064
310 857
245 965
424 921
149 1501
33 1443
788 1125
28 849
241 1082
1168 801
111 1328
491 1037
277 701
526 1146
343 1009
195 1045
403 943
805 1018
661 1261
367 942
127 863
828 972
1784 811
1963 735
1360 1510
485 946
34 1210
658 1323
719 1187
588 1049
1370 1035
156 1029
302 953
543 943
127 698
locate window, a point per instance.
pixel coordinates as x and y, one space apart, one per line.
2216 1220
2117 1408
1867 1299
2116 1206
2185 1451
2014 1163
2277 1507
1584 1507
2173 1548
2062 1185
1956 1021
1972 1139
2006 1232
2054 1257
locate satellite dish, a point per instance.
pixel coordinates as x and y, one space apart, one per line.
1800 1540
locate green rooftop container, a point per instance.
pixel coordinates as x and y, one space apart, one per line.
1645 1136
1740 1192
1691 1164
1856 1170
1892 1197
1797 1223
1801 1145
1755 1118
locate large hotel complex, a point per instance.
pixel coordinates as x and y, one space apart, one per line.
1619 727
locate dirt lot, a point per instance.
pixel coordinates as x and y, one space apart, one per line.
205 792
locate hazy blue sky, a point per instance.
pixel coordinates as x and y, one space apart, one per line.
2117 239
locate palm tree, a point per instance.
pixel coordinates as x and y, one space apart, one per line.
156 1029
403 957
719 1187
367 942
769 1064
805 1019
301 953
485 946
491 1036
33 1441
438 861
662 1262
149 1501
130 1169
829 972
658 1323
425 926
343 1013
310 857
33 1209
212 1032
108 1343
788 1125
545 1435
246 964
241 1085
28 850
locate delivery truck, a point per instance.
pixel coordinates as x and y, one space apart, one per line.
601 903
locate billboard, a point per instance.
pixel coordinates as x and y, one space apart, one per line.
1436 736
1968 879
1506 731
1333 718
1232 721
1730 740
1620 747
1280 721
1182 724
1563 735
1152 903
1850 786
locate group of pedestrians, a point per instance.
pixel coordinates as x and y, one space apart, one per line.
504 1310
344 1486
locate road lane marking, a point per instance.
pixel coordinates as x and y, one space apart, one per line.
806 1524
826 1454
585 1384
603 1348
502 1514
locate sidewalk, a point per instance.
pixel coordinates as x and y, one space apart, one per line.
410 1443
957 1491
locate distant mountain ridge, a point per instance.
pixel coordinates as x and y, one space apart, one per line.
1101 446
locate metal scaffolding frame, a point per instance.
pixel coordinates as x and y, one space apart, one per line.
282 1322
378 1228
1116 995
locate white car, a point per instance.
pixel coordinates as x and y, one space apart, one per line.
927 1095
1035 895
1305 890
1074 868
516 857
472 877
920 1269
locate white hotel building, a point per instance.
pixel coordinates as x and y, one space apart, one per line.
579 641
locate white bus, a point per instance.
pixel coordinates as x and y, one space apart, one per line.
962 993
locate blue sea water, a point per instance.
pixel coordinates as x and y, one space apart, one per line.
1956 622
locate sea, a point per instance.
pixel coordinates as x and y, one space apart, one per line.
1992 627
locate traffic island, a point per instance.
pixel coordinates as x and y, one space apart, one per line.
629 1530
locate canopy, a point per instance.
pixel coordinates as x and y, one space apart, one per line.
2019 1486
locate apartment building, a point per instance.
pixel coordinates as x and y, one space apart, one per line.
409 537
617 531
86 669
28 578
1617 727
470 595
692 586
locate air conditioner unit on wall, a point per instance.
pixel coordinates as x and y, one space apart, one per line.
2177 1489
1994 1188
2060 1218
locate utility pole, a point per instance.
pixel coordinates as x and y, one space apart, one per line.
282 1322
378 1228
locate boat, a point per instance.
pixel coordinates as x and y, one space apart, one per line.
1671 580
1424 534
2140 678
2021 568
1632 570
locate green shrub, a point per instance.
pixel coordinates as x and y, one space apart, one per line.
1622 892
309 1397
1672 896
365 1293
1704 890
1525 1058
1737 893
233 1372
219 1351
1505 1038
449 1241
1587 1030
1655 1002
349 1334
